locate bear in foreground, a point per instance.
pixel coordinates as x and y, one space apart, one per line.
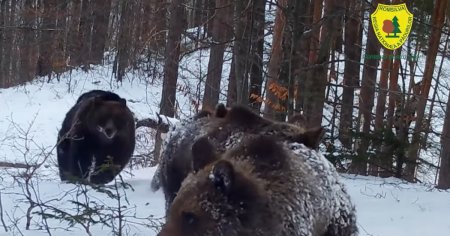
262 187
97 138
225 127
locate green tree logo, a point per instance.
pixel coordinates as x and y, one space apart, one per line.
391 27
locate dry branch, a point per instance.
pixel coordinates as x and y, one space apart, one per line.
16 165
159 124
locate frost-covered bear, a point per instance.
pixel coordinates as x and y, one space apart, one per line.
225 127
261 187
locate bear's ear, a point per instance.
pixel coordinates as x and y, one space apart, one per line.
310 138
221 111
241 115
223 176
203 153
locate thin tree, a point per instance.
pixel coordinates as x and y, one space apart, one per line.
240 51
275 61
366 99
101 12
257 50
317 76
220 34
176 24
444 171
437 22
352 51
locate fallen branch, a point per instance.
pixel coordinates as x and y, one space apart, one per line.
16 165
150 123
160 124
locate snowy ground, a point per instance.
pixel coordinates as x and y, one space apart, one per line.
30 117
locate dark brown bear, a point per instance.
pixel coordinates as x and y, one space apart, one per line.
262 187
225 129
97 138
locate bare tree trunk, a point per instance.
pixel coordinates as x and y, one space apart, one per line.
353 39
275 62
303 52
231 92
101 12
257 52
438 18
380 110
366 100
124 43
176 24
73 41
220 34
444 171
85 33
3 56
28 45
317 77
13 44
240 51
46 44
172 55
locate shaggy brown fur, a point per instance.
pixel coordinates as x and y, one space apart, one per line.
225 130
98 132
260 188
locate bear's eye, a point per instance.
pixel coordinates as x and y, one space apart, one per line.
189 218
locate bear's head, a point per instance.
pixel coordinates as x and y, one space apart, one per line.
105 119
241 118
223 196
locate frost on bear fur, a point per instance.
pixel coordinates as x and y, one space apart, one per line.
260 187
225 127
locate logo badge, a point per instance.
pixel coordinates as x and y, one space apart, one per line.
392 24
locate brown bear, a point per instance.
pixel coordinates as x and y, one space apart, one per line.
97 138
225 128
261 187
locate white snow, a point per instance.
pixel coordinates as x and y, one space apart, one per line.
31 115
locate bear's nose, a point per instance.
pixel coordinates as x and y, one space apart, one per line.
108 131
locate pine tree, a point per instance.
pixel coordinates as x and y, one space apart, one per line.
396 27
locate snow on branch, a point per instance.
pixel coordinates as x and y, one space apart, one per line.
161 123
16 165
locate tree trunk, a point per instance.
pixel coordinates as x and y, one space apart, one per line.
274 66
351 71
73 42
46 44
240 52
380 110
3 57
433 46
85 33
366 101
101 12
444 171
28 48
215 64
257 53
317 77
172 55
123 56
231 92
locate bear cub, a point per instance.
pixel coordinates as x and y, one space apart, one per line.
97 138
260 188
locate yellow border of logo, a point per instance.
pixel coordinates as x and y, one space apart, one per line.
383 15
